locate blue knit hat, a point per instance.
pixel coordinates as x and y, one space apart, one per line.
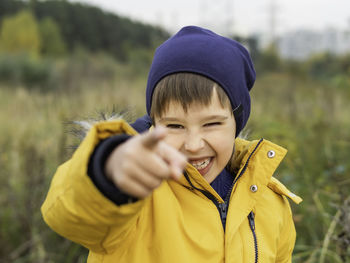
198 50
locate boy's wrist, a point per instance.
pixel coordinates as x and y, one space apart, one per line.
96 170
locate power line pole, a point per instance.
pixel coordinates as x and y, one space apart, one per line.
229 17
272 21
216 15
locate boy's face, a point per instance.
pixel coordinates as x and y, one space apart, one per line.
205 134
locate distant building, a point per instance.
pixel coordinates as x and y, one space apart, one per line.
301 44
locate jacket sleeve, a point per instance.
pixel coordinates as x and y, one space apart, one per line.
97 174
100 155
77 210
287 236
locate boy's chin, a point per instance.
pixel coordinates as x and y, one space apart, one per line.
208 172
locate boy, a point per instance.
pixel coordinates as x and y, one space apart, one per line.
133 198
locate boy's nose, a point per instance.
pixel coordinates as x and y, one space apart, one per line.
194 143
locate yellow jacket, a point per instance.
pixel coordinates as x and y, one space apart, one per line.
176 223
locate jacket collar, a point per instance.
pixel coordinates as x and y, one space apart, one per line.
249 156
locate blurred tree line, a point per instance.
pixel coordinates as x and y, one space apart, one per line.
75 24
324 66
35 35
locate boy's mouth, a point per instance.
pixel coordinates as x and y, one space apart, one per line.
202 165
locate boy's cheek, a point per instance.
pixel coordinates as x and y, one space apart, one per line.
222 142
225 137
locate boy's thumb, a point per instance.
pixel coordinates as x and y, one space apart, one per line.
151 138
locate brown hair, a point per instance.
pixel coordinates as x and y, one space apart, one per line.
185 88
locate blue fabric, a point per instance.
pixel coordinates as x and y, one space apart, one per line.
142 124
198 50
222 183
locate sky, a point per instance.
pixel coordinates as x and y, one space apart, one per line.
244 17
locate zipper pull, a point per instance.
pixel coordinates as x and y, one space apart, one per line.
252 227
251 220
223 212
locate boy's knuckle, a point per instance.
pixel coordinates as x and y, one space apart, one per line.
164 172
120 181
138 192
161 174
127 167
158 183
155 183
144 193
128 153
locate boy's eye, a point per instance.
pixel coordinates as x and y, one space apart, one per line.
212 124
174 126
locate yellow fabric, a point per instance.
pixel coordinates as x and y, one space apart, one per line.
176 223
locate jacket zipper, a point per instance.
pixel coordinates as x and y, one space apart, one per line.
251 217
223 207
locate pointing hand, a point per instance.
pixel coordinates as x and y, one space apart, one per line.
139 165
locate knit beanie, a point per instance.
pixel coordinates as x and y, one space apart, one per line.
198 50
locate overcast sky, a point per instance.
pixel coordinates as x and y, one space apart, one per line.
234 16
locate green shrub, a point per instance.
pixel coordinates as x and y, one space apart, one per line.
23 69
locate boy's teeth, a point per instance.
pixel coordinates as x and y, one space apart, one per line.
199 165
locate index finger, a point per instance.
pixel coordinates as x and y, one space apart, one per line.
151 138
174 158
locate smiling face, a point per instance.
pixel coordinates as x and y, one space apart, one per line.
203 133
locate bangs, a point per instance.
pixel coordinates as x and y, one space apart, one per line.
185 89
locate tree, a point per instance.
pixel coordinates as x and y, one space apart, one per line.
20 33
269 60
79 25
10 7
52 43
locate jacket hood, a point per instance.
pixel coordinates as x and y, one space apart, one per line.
243 151
242 147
